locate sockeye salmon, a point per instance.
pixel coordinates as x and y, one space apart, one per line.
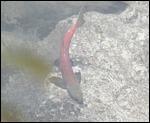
70 80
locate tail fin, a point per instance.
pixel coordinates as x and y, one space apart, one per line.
80 19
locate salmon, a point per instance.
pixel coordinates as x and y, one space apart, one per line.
70 79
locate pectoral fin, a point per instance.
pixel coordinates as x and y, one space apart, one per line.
58 82
78 76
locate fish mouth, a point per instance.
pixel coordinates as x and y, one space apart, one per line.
79 101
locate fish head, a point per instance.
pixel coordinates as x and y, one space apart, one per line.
76 94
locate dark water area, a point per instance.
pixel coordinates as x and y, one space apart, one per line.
40 18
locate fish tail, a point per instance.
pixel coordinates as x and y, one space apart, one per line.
80 19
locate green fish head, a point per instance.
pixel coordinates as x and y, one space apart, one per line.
75 94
